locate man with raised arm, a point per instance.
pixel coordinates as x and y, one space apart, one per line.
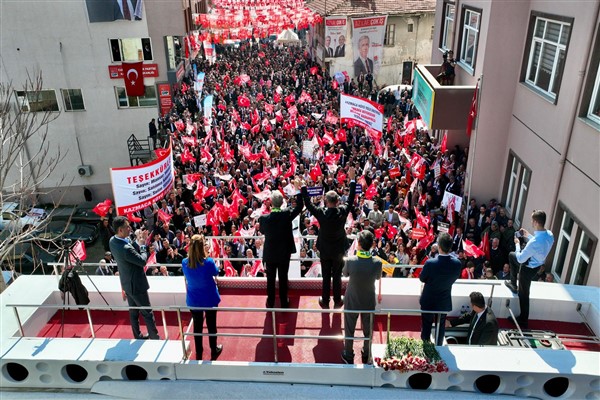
331 241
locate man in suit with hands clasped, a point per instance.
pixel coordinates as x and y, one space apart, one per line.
483 325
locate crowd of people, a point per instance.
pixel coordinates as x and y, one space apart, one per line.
245 167
280 122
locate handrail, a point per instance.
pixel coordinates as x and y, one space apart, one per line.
273 311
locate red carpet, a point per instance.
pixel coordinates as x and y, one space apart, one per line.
116 325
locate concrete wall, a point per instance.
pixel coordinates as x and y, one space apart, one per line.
73 53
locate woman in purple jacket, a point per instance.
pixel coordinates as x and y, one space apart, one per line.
202 291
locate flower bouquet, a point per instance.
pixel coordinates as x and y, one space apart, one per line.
406 354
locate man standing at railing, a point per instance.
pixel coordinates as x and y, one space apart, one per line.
363 271
438 276
131 260
331 241
279 244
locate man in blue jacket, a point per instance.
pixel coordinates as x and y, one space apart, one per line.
438 276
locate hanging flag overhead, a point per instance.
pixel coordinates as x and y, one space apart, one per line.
472 111
134 79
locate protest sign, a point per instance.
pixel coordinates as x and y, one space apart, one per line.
364 113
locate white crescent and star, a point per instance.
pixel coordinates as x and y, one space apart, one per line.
136 76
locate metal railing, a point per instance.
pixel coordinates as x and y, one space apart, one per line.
275 336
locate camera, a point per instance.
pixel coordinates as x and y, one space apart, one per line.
518 234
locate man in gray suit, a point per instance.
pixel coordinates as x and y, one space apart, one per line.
131 260
363 271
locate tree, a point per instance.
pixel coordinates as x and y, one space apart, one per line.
27 157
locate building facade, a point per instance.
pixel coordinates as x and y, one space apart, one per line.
407 38
537 133
79 47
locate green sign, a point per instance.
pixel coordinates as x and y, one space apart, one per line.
423 97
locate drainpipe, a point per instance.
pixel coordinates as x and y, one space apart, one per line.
567 143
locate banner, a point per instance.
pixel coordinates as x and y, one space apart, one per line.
165 99
314 191
335 37
365 113
207 106
367 43
135 188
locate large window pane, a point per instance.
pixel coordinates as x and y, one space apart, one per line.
73 99
581 268
122 97
546 59
561 255
44 100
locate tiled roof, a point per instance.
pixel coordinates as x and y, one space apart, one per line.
368 7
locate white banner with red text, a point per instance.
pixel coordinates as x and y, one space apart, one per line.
135 188
367 44
363 112
335 37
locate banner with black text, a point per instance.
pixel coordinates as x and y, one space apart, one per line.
363 112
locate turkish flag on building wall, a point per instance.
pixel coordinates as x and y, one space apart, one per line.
134 80
472 111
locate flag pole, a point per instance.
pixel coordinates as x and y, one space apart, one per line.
472 158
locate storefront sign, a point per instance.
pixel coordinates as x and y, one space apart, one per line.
423 98
165 99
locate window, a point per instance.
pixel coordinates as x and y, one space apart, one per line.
410 27
574 249
447 37
147 100
517 187
133 49
593 111
469 38
547 49
73 99
40 101
390 34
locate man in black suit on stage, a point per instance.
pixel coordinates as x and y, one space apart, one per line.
279 245
363 63
438 276
483 326
131 260
331 241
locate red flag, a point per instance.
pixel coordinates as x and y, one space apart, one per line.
315 172
421 220
161 152
78 252
211 191
427 240
314 70
150 261
473 111
229 270
341 177
379 232
102 208
341 136
238 196
164 217
197 207
134 79
243 101
131 217
255 117
391 231
371 191
389 124
471 249
187 157
334 84
444 144
485 245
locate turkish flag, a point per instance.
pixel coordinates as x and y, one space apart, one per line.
134 80
150 261
315 172
444 144
371 191
102 208
471 249
473 111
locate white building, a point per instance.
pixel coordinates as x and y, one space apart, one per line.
77 45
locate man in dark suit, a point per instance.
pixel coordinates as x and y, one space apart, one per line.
363 271
279 245
483 326
438 276
363 63
340 50
131 260
331 241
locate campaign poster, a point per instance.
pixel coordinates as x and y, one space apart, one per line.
335 37
364 113
367 44
135 188
164 95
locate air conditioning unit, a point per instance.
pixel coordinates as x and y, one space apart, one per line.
85 170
